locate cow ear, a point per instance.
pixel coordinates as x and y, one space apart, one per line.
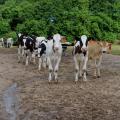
72 44
89 39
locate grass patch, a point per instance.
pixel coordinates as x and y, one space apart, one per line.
116 49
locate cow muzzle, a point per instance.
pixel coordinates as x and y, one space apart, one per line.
104 51
56 48
25 48
84 50
38 55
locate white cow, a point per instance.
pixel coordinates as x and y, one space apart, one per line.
9 42
80 54
54 53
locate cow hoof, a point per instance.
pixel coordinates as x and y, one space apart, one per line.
84 79
98 76
86 73
94 77
49 81
56 81
76 82
39 69
80 76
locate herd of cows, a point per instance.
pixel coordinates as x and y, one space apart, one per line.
49 51
6 43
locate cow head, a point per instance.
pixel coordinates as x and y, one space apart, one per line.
19 35
106 47
42 48
83 43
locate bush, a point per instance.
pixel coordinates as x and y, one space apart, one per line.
33 27
4 27
110 36
11 35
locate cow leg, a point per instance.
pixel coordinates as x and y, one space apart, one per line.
80 69
30 57
85 68
27 58
76 69
44 61
98 66
23 54
50 69
19 53
47 62
26 63
40 62
95 69
56 68
33 56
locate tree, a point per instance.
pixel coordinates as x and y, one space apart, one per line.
97 19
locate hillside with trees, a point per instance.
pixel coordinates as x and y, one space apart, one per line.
97 19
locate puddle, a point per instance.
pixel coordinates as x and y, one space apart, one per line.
11 102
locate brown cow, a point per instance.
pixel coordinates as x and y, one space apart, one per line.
95 51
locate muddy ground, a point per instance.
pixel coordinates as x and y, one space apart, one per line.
96 99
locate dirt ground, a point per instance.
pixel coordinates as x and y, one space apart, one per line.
96 99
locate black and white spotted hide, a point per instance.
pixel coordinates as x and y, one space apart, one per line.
29 47
20 46
42 54
80 55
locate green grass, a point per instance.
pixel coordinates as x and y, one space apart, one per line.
116 49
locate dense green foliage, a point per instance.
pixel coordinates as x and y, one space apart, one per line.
98 19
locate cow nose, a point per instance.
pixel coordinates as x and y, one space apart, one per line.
84 49
56 48
38 55
104 51
24 47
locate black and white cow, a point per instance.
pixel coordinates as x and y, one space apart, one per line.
39 51
80 54
42 54
26 46
20 42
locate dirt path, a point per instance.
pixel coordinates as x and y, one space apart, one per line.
97 99
10 72
4 84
